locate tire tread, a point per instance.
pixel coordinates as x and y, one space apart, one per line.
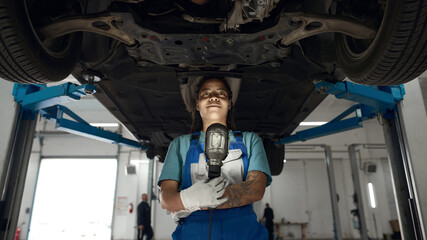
18 63
403 58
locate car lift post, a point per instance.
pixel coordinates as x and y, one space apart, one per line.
333 192
374 101
399 159
14 173
34 101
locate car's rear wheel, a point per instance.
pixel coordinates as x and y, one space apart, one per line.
398 52
275 156
25 55
156 151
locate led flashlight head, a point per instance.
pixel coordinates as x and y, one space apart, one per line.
216 148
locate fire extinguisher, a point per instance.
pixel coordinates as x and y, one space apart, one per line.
18 231
130 207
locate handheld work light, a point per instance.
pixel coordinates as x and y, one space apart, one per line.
216 148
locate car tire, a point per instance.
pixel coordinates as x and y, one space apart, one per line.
275 156
24 57
156 151
396 55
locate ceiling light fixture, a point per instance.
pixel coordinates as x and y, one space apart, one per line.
312 123
104 124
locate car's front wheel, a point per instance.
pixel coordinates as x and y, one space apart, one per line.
398 52
25 55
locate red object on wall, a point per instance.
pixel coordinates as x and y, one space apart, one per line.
130 207
18 231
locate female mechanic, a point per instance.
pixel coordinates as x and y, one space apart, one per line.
187 193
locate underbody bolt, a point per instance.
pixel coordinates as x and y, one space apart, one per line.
91 77
89 81
88 91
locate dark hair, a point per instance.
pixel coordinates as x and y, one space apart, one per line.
197 123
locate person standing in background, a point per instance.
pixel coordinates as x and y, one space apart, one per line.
269 216
144 219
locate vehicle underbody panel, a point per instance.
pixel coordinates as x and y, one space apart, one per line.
272 100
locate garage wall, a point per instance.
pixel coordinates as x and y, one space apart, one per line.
299 194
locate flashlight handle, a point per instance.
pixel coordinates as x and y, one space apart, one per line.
214 171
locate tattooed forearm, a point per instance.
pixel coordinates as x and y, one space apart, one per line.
246 192
238 194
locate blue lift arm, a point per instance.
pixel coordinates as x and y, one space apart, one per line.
372 101
35 97
45 101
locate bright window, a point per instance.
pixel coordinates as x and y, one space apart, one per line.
74 199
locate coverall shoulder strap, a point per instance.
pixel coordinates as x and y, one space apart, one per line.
240 144
195 136
192 157
238 135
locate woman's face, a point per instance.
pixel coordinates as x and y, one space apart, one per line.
213 101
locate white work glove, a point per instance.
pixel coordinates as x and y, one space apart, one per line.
204 194
176 216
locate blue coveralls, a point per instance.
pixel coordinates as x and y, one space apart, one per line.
227 224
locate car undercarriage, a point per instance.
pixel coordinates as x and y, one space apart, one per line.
146 56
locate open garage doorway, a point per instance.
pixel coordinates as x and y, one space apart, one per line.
74 199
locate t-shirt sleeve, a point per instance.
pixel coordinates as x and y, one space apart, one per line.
172 167
256 155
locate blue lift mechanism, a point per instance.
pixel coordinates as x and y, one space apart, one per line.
372 100
45 101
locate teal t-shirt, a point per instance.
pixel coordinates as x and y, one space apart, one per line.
177 153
